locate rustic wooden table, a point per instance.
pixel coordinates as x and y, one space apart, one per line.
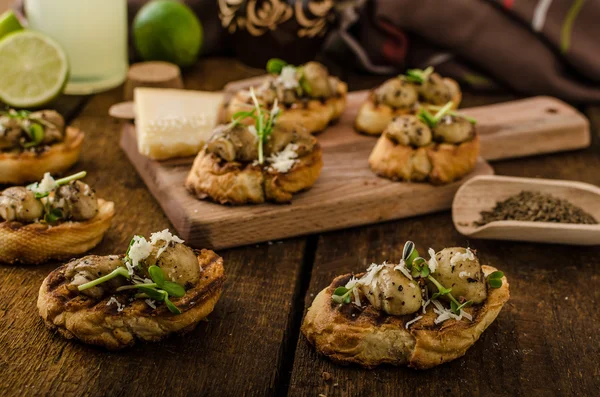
544 342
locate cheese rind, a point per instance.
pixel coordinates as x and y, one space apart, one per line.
174 123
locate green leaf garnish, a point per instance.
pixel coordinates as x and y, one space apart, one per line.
36 134
157 275
53 215
152 293
173 289
495 279
454 113
342 295
417 76
275 65
264 123
409 253
59 182
172 308
119 271
433 120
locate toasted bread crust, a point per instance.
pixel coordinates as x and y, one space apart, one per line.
373 118
367 337
313 114
438 163
236 183
92 321
36 243
24 167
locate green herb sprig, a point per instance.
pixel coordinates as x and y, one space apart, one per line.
417 76
454 113
276 65
495 279
59 182
342 295
419 268
433 120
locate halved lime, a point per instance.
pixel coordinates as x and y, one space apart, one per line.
34 69
9 23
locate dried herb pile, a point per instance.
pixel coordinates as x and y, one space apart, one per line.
536 207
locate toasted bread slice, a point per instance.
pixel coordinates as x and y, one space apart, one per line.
438 163
373 117
94 321
23 167
313 114
36 243
237 183
367 337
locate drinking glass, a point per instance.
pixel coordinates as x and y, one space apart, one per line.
94 36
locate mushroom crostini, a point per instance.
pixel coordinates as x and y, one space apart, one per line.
308 95
52 219
33 143
438 148
405 94
252 164
159 287
418 313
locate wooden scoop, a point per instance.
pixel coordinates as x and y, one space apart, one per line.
483 192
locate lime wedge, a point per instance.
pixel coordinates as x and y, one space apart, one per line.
33 71
9 23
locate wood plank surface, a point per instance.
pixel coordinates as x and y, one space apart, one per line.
543 343
240 350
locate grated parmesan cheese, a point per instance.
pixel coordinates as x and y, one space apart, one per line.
433 263
446 314
284 160
402 267
112 300
139 250
165 236
150 303
413 321
46 185
288 78
464 274
459 257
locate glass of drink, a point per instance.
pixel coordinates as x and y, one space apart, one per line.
94 36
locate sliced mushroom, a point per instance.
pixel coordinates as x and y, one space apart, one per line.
316 77
434 90
397 93
10 132
77 201
20 204
408 130
234 143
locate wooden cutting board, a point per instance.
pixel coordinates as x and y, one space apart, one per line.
347 193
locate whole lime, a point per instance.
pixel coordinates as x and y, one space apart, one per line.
166 30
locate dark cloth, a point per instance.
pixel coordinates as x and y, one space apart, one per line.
537 47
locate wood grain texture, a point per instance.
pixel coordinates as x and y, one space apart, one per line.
345 186
239 350
544 341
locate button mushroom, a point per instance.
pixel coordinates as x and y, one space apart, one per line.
236 143
434 90
178 262
10 132
392 292
453 129
20 204
77 201
408 130
315 79
397 93
459 269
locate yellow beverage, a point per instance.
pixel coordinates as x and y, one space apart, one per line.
94 35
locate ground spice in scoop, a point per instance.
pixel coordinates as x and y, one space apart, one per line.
537 207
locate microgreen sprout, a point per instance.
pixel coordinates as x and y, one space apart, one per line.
53 215
417 76
276 65
264 122
495 279
119 271
432 120
419 268
454 113
57 183
342 295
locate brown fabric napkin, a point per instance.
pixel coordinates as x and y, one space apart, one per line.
536 47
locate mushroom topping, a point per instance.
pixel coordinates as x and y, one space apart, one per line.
20 204
397 93
315 80
178 261
459 269
408 130
92 267
77 201
21 129
234 143
53 123
435 90
453 129
392 292
283 136
10 132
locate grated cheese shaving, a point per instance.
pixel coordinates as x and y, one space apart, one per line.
446 314
425 304
46 185
413 321
112 300
459 257
165 236
433 263
288 78
402 267
150 303
139 250
285 159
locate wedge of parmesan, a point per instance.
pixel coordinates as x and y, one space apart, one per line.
174 123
